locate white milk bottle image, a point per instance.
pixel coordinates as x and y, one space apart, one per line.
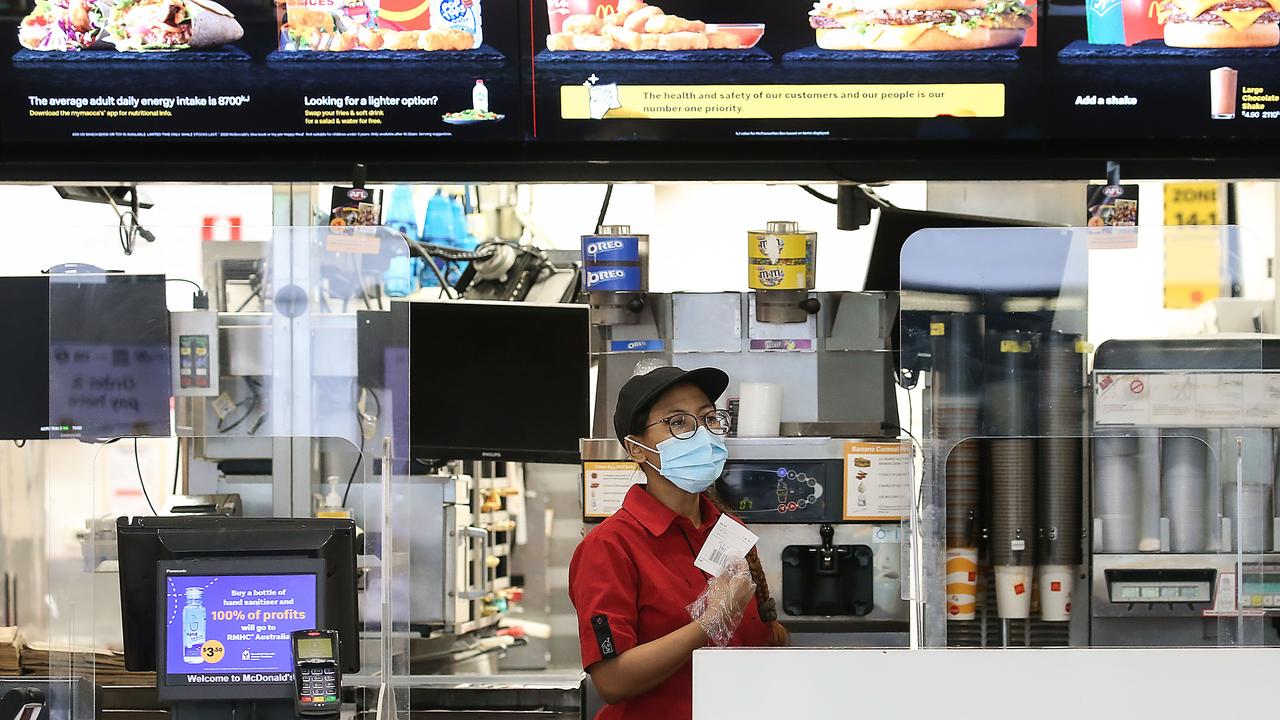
193 626
480 97
458 15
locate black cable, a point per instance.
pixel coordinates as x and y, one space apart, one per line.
456 254
824 198
360 430
138 465
177 463
20 443
256 293
253 406
604 206
430 261
193 283
128 230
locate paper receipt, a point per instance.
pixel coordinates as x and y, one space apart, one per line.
727 542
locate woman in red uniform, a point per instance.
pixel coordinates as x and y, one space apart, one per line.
632 578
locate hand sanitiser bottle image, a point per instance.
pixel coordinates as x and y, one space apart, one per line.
193 626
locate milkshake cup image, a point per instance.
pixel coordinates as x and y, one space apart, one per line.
1222 93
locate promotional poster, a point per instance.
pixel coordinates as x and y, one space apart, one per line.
924 69
439 70
235 628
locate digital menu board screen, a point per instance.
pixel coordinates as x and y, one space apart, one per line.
761 69
1168 69
513 82
122 70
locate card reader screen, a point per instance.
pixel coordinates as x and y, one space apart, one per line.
235 628
315 649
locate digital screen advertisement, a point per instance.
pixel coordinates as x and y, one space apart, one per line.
486 78
231 629
1169 68
759 69
85 70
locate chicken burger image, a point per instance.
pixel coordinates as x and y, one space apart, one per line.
921 25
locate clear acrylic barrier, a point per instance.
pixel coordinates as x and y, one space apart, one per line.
276 394
1098 453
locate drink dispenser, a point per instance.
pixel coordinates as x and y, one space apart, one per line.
615 274
781 269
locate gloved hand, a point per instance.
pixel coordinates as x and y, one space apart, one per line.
718 610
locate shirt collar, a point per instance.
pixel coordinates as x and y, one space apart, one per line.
656 517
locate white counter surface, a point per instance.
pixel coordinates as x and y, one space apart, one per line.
960 684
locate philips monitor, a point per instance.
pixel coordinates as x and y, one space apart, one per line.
240 586
498 381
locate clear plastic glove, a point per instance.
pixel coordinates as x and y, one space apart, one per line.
718 610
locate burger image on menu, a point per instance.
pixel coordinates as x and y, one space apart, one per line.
1216 24
920 25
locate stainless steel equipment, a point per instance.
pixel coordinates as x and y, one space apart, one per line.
460 540
226 504
836 365
1184 471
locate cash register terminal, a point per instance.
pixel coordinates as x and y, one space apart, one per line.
225 611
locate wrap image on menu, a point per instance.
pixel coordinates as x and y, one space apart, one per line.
128 25
378 25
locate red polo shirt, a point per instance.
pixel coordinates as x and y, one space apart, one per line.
630 580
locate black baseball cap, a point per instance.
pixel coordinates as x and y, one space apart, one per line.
640 393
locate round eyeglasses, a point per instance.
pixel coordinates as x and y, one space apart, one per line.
684 425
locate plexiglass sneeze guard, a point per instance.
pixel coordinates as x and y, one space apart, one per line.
280 399
1098 422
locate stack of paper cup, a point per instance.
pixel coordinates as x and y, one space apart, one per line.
1149 490
759 410
1013 591
1249 507
1055 592
1116 489
1185 489
962 583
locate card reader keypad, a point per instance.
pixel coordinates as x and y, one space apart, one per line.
319 686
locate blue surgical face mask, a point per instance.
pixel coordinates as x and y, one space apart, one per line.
693 465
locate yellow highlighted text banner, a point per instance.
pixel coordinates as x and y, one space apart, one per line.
801 102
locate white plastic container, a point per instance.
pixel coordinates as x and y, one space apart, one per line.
759 410
480 97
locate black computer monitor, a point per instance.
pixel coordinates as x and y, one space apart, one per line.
109 371
26 360
895 226
239 586
498 381
90 356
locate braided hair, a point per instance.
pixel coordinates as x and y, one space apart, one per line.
768 606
